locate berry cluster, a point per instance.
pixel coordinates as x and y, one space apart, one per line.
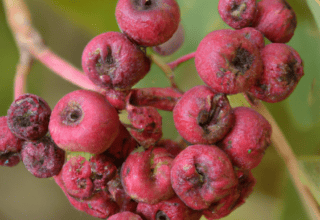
114 167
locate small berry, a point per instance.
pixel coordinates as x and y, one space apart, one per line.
228 62
276 20
148 22
28 117
10 145
171 209
238 13
42 157
171 146
202 116
247 141
173 44
253 35
202 175
117 98
145 175
283 69
112 61
125 216
84 121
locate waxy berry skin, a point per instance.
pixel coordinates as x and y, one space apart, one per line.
84 121
173 209
42 157
202 175
202 116
276 20
247 141
253 35
125 216
10 145
148 22
228 62
112 61
283 69
28 117
238 13
145 175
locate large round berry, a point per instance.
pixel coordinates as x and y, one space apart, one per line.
247 141
148 22
84 121
10 145
202 175
228 62
202 116
28 117
283 69
276 20
112 61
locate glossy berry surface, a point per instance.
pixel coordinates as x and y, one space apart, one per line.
84 109
148 22
28 117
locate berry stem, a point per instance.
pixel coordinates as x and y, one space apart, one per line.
180 60
166 69
28 39
283 148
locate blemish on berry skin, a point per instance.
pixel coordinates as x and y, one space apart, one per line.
249 151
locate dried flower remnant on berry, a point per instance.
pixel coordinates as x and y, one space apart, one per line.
28 117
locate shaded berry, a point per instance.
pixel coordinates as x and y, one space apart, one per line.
247 141
202 175
171 146
283 69
276 20
112 61
28 117
148 22
10 145
202 116
228 62
84 121
238 13
42 157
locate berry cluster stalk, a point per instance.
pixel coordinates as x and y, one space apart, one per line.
31 47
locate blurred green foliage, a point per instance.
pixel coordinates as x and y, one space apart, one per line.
67 26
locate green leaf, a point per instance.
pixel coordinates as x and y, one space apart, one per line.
314 6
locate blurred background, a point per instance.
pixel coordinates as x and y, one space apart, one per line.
68 25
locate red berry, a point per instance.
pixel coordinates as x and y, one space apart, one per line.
84 121
145 175
112 61
42 157
10 145
202 175
125 216
228 62
247 141
283 69
28 117
253 35
238 13
276 20
148 22
202 116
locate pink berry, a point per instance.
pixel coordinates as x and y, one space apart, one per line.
84 121
202 175
148 22
28 117
145 175
173 44
228 62
202 116
171 146
112 61
238 13
171 209
276 20
125 216
42 157
10 145
253 35
247 141
117 98
283 69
